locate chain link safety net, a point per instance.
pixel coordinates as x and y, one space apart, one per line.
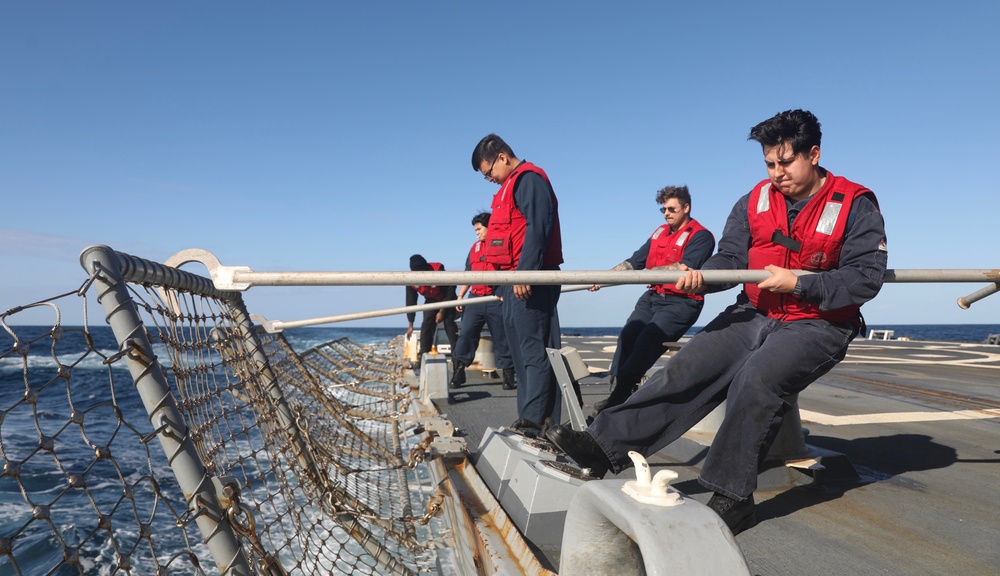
306 460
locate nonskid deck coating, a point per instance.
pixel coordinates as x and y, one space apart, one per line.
928 500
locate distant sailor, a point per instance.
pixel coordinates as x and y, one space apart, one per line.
663 313
524 235
475 317
431 294
781 334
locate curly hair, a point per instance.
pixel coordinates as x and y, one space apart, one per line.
679 192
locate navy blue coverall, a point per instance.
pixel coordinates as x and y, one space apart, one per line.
748 359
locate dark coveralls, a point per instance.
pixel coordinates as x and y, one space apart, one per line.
429 325
748 359
474 317
658 318
532 325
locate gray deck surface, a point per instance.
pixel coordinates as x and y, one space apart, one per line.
920 422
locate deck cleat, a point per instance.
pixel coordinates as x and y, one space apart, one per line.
656 491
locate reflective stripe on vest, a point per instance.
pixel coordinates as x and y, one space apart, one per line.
813 243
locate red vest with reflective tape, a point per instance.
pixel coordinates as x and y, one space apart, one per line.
477 261
667 248
813 243
505 234
432 293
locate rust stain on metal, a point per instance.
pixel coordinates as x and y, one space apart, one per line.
492 526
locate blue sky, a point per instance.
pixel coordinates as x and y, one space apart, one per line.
338 135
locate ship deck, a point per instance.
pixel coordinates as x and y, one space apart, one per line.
919 421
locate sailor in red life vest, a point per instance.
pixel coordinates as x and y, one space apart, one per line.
524 235
476 316
432 318
781 334
663 313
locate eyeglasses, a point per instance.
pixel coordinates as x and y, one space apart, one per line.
672 210
488 175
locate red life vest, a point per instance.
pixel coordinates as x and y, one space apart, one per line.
477 262
432 293
505 234
667 248
813 243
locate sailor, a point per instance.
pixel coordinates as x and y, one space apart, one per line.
524 235
663 313
781 334
475 317
431 294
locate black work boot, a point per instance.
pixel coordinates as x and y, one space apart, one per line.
618 396
458 375
739 515
581 447
508 379
526 427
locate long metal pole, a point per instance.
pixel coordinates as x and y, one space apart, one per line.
965 301
243 278
147 374
273 326
549 277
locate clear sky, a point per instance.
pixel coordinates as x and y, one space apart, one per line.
338 135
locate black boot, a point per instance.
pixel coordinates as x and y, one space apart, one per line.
508 379
618 396
526 427
458 375
581 447
739 515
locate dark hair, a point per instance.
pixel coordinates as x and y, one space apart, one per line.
418 263
482 218
799 128
488 149
679 192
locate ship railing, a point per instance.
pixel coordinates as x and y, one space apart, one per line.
254 459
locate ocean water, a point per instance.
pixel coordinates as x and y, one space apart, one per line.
84 389
944 332
56 409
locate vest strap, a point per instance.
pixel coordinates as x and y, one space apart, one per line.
780 239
